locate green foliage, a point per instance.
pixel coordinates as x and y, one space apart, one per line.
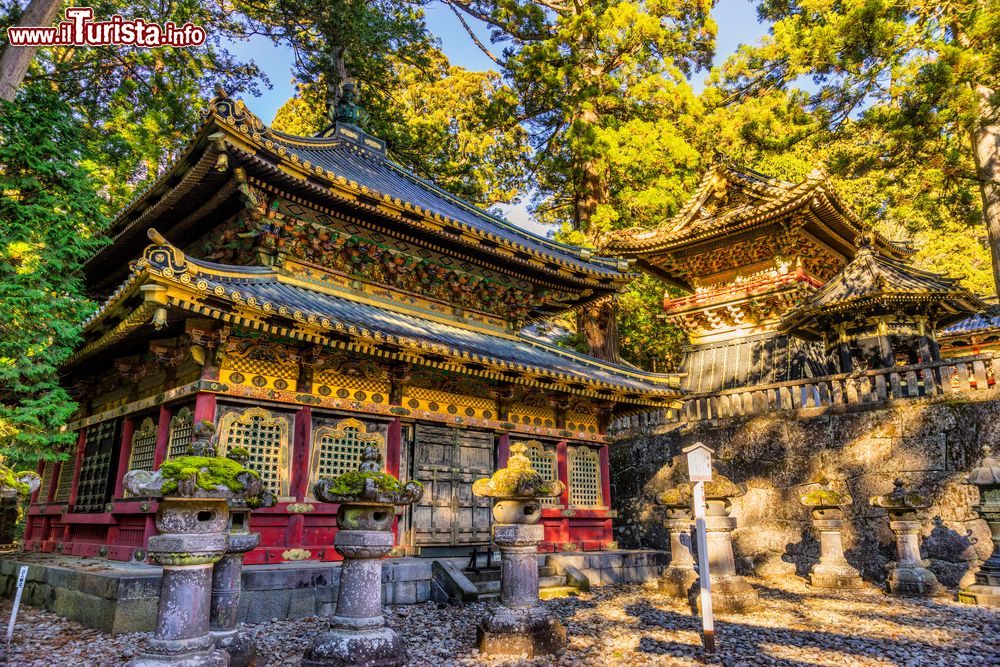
49 217
451 126
901 89
209 472
139 105
646 339
12 480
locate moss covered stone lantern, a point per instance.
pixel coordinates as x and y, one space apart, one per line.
910 575
15 488
519 626
368 498
827 509
986 590
193 520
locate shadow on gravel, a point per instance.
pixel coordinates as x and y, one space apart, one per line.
756 640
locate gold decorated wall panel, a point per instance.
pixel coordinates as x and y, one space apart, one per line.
338 444
458 405
266 435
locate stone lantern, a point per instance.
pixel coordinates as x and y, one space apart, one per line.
986 590
910 575
519 625
15 488
730 592
192 518
358 635
227 574
827 508
680 575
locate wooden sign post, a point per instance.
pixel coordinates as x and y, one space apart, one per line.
699 459
21 577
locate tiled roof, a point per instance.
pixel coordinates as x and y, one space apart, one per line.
979 323
765 198
264 293
872 277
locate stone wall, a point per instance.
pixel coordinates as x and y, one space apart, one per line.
931 444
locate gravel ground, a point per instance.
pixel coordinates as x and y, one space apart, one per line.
615 625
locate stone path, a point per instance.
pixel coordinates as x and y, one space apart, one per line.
620 625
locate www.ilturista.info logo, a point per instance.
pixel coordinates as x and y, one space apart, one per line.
79 29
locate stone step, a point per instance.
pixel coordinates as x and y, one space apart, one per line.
547 571
493 573
551 582
487 587
557 592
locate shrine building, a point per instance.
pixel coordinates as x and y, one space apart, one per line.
309 296
779 291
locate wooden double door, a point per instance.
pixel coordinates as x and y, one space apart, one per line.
447 461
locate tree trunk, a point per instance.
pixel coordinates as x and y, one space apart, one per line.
598 322
986 150
14 60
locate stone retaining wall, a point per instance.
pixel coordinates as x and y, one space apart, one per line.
121 597
931 444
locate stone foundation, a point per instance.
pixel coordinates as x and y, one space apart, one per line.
119 597
931 444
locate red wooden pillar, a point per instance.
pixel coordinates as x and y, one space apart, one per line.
128 430
562 472
606 491
393 445
162 437
503 450
605 476
204 407
299 471
298 485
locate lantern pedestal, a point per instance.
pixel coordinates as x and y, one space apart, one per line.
730 592
986 590
227 585
677 580
193 540
832 570
909 577
357 636
519 625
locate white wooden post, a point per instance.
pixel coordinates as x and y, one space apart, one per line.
21 576
699 459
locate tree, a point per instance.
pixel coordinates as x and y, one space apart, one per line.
141 105
50 218
601 87
454 127
14 61
921 78
336 41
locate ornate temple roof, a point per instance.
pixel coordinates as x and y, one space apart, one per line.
269 299
733 201
873 282
348 170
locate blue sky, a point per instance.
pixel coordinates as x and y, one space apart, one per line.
737 20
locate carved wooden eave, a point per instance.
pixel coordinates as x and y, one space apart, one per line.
818 212
164 278
202 180
873 285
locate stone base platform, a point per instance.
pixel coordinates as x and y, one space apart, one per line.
119 597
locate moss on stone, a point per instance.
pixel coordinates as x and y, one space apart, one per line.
353 483
9 479
210 472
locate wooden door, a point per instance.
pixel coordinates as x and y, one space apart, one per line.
447 461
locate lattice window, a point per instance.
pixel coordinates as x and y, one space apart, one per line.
48 472
338 449
544 461
65 480
585 477
92 490
179 438
143 446
266 438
